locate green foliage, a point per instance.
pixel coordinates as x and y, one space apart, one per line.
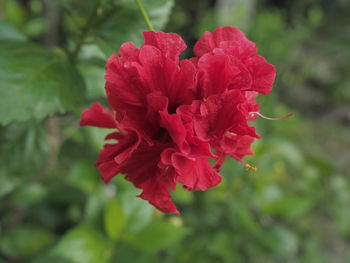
35 83
83 244
157 235
19 143
53 205
10 32
26 241
114 218
115 32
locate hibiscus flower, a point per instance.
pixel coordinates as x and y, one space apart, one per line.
170 117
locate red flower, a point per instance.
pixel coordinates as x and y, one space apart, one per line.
169 114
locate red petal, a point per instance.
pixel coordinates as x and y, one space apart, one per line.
263 74
145 171
215 74
170 44
210 41
156 190
128 52
114 155
97 116
183 89
165 75
108 170
143 163
195 174
237 146
123 86
176 129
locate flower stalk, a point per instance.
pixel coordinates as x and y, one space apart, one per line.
145 15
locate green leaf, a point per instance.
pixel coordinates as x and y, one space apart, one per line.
157 235
84 176
83 244
8 31
25 143
35 83
114 218
26 241
221 246
29 195
139 213
286 242
95 205
127 23
289 206
94 78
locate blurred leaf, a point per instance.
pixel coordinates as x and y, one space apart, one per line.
114 32
157 235
94 207
35 83
7 184
288 150
13 11
138 212
238 13
83 244
51 258
94 78
7 31
114 218
315 16
289 206
96 137
286 241
244 216
23 143
25 241
35 27
29 195
84 176
222 246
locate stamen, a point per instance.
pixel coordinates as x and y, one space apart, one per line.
249 167
230 134
254 113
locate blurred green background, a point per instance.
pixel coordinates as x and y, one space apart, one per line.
54 207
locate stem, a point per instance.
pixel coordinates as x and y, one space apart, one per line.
54 142
145 16
52 15
85 31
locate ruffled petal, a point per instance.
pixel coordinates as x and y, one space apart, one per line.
113 156
145 170
211 40
156 190
108 170
97 116
263 74
176 129
195 174
128 52
237 146
143 163
171 44
124 88
215 74
166 76
186 77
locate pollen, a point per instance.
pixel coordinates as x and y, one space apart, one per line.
249 167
